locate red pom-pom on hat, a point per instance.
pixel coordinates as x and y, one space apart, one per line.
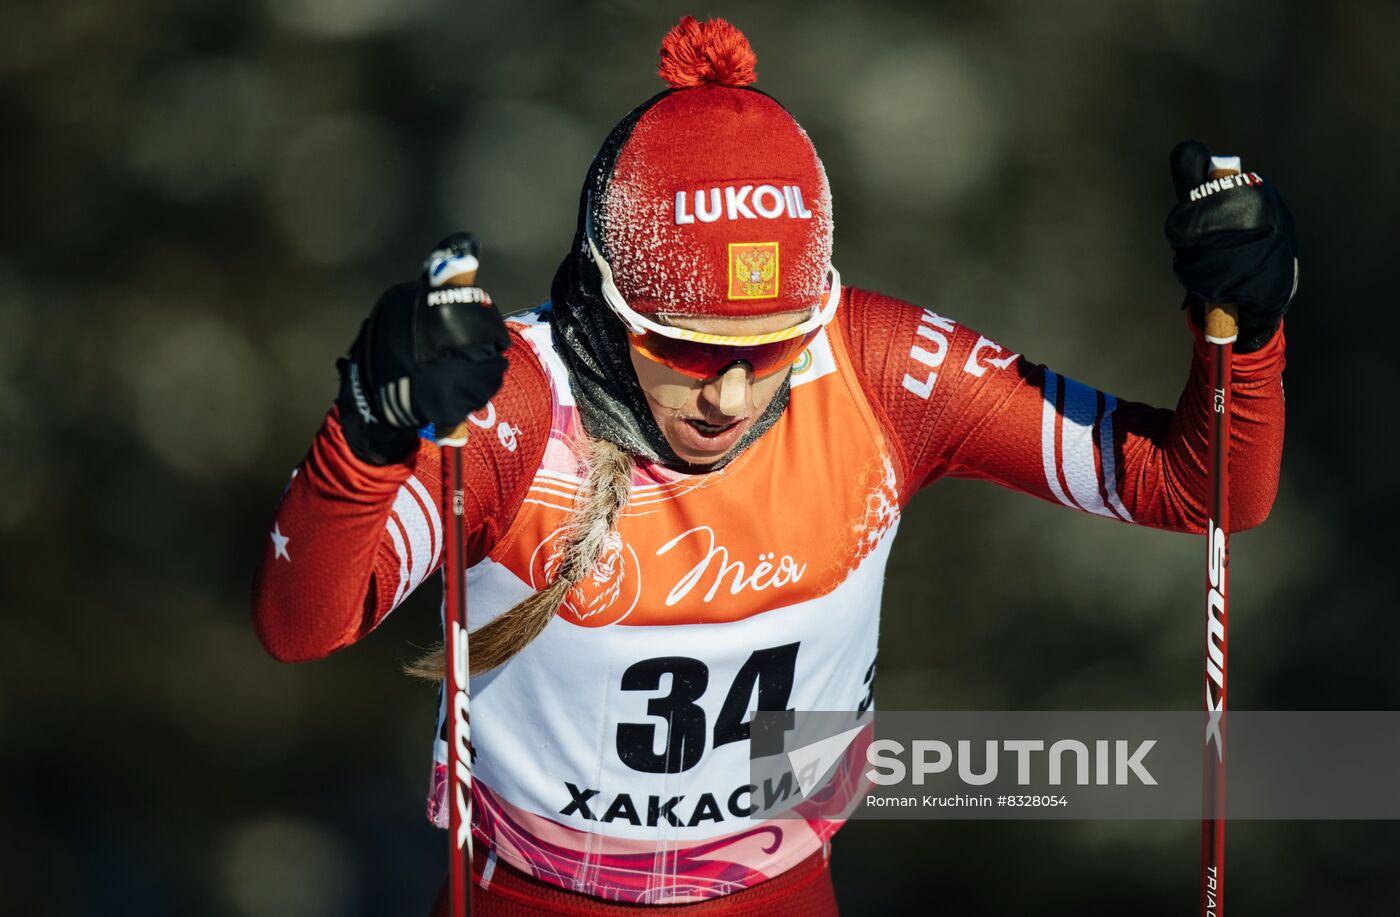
696 53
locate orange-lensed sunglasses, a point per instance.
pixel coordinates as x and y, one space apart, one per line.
702 355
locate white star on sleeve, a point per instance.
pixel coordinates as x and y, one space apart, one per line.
279 544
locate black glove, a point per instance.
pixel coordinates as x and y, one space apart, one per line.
1234 243
425 355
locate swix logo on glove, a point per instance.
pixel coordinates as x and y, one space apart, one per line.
361 402
735 202
1224 183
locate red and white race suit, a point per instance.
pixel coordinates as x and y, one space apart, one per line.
612 752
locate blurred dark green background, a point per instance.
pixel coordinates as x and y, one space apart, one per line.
201 201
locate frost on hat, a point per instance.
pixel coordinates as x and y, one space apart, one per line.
716 203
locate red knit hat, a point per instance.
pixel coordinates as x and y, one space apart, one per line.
716 203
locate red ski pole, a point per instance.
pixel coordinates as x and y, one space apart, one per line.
1222 326
455 264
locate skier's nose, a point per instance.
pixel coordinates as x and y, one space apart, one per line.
730 391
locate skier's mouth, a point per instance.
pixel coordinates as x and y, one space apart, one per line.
701 438
710 429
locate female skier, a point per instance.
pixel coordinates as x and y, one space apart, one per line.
684 480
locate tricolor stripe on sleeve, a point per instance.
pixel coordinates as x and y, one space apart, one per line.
1076 443
415 528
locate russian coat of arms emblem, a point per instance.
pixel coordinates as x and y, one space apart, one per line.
753 270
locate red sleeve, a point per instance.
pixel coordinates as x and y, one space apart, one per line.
351 540
955 403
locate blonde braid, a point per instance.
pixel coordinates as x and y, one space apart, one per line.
608 488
